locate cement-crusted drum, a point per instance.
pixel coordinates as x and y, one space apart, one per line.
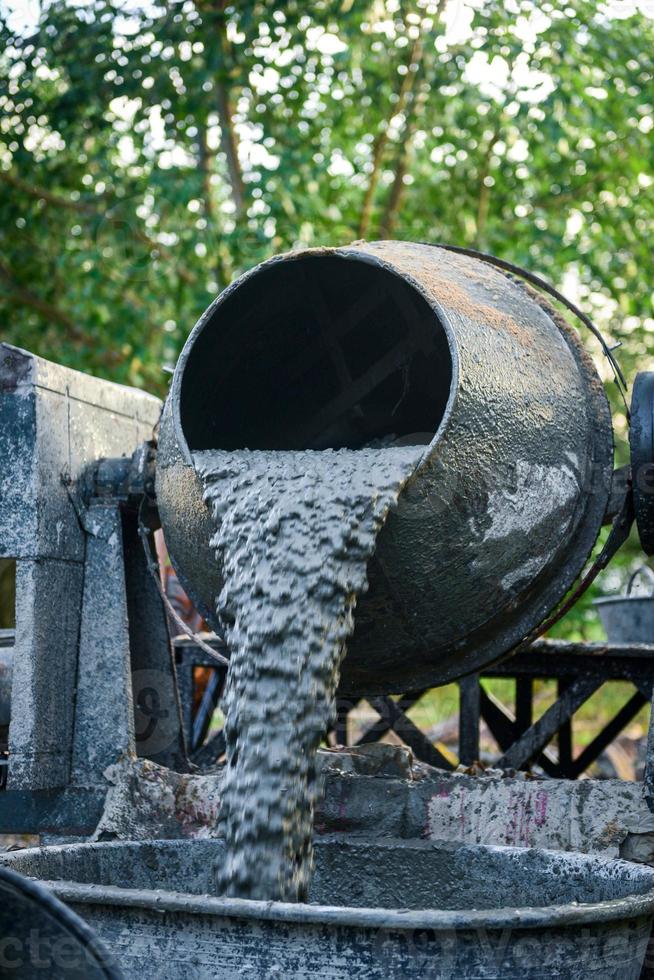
394 910
388 342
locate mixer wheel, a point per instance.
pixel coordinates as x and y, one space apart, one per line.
641 441
41 937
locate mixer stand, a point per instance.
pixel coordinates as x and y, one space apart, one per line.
579 670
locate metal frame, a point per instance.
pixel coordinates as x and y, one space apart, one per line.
203 750
579 669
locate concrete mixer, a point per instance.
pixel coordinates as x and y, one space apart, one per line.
343 347
382 344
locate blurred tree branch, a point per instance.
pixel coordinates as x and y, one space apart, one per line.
381 139
318 139
41 194
51 312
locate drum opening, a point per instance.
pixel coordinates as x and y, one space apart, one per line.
326 350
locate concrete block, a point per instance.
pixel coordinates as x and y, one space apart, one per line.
48 601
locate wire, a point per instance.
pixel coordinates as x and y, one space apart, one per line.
618 535
153 568
541 283
623 522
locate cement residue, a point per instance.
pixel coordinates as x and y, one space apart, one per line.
295 532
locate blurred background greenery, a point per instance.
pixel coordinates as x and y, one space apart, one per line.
151 152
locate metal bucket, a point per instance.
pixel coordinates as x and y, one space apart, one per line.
396 341
398 909
629 618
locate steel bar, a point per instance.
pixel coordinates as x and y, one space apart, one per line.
540 733
556 659
343 707
157 709
209 753
410 734
524 694
186 684
503 729
557 648
383 725
498 719
594 749
206 708
564 736
469 715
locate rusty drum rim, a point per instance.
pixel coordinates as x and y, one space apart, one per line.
567 914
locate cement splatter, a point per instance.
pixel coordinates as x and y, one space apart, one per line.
295 531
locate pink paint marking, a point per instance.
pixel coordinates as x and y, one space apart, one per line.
542 797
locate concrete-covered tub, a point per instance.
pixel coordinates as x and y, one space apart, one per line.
392 909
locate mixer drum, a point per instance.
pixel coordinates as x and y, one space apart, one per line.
385 343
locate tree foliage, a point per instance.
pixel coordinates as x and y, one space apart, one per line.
147 156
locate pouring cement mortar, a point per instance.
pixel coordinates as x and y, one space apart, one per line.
295 531
392 343
379 911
